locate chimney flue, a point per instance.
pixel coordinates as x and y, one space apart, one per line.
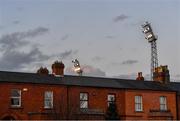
140 77
43 71
161 74
58 68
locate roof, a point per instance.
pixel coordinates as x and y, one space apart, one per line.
175 86
19 77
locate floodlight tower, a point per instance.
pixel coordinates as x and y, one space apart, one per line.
149 35
77 67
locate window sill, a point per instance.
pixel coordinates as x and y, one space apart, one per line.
16 107
48 108
139 111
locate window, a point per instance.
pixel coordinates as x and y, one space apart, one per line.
111 98
138 103
163 103
15 98
48 99
83 100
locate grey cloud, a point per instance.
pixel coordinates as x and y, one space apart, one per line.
65 37
88 71
35 32
68 54
10 44
16 39
129 62
15 60
121 17
16 22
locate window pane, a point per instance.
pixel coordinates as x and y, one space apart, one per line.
111 97
138 103
15 101
48 104
83 96
162 101
83 104
48 94
15 93
48 99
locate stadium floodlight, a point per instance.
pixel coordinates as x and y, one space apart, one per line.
149 35
77 67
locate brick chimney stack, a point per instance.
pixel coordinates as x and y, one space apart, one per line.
161 74
140 77
58 68
43 71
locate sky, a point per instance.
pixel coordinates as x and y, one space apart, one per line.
104 35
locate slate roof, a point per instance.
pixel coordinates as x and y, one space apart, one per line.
19 77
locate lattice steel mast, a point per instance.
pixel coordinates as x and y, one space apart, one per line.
149 35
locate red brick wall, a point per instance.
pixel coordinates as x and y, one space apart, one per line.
150 100
178 101
33 101
97 98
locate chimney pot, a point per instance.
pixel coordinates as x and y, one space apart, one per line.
43 71
58 68
140 77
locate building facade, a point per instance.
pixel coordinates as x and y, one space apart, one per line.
30 96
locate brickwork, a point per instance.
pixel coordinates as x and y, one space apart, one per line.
33 102
151 105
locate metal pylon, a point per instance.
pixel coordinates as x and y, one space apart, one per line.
154 58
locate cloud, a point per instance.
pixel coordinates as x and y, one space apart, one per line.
87 71
16 22
65 37
129 62
97 58
17 39
68 54
11 55
121 17
15 60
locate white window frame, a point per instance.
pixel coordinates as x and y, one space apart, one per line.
16 97
48 100
138 103
83 100
109 100
163 103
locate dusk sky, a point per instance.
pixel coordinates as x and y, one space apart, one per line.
104 35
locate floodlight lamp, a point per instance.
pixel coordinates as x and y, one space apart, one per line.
146 30
149 36
77 69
